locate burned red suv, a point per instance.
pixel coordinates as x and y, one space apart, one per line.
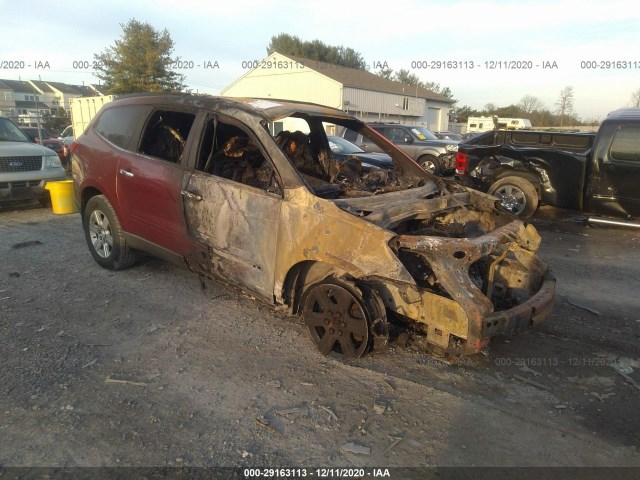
247 190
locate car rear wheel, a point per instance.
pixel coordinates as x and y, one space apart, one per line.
430 164
104 235
517 195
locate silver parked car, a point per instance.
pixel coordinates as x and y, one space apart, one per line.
434 155
25 167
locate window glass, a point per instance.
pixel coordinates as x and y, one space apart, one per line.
350 135
397 135
166 134
626 144
117 124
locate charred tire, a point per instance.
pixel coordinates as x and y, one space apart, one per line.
517 195
104 235
430 164
338 318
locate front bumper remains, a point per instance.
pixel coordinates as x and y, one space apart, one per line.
488 285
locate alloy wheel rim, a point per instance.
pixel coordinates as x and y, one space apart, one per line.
512 198
100 234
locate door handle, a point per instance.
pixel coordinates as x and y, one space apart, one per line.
126 173
193 196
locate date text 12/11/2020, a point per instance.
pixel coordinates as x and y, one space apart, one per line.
298 473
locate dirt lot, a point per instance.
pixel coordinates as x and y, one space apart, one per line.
141 368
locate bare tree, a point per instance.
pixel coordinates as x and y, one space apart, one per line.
529 103
565 102
490 107
635 99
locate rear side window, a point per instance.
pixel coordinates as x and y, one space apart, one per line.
166 134
118 124
626 144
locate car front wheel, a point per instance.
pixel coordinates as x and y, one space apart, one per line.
431 164
104 235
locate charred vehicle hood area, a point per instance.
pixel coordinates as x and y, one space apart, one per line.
248 191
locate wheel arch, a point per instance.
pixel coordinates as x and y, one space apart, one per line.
531 177
86 195
427 152
303 274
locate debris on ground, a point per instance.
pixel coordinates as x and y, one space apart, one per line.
583 307
330 412
532 383
619 368
526 369
29 243
125 382
602 396
357 449
380 406
396 441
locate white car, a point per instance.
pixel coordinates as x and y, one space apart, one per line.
67 136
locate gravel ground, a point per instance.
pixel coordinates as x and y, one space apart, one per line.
142 368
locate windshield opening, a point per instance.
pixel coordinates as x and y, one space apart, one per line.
10 133
334 167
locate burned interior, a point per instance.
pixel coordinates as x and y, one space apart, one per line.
329 178
166 134
230 151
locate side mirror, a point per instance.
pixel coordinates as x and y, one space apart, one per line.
408 140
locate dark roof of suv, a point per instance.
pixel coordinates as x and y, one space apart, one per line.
268 108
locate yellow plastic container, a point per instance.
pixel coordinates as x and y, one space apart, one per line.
62 199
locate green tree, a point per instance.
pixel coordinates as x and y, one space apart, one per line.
55 123
316 50
462 114
385 73
140 61
408 78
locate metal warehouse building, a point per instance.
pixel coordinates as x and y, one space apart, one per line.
363 94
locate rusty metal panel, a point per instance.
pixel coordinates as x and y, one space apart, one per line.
240 225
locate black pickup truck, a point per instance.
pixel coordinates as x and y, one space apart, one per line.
595 173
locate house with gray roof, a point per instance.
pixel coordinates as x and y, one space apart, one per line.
363 94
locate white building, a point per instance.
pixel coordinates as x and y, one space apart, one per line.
363 94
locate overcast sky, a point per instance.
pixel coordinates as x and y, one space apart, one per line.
568 33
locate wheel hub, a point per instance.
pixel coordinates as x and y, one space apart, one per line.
509 201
